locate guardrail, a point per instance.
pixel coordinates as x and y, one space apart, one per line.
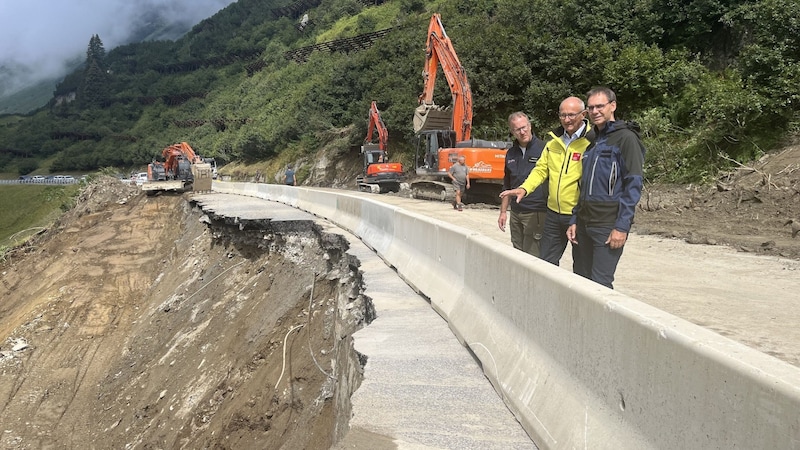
581 366
40 182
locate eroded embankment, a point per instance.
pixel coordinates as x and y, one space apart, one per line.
181 330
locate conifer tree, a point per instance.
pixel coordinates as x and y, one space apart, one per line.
94 88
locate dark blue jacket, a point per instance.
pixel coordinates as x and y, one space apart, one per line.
517 169
611 182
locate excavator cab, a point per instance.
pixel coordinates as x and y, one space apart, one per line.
379 175
429 146
372 155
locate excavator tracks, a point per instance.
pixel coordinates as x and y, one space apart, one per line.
433 190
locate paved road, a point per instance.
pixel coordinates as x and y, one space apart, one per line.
422 389
752 299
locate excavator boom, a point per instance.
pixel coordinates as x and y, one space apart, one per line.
376 123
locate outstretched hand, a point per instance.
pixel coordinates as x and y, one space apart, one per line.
518 192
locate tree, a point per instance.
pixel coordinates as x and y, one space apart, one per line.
96 52
95 85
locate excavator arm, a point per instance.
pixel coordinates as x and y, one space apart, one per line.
440 51
376 123
182 167
173 154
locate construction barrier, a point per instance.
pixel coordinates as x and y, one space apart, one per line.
580 365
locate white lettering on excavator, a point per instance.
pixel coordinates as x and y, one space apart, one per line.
481 167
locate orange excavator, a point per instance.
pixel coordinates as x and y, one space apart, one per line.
181 170
445 133
379 175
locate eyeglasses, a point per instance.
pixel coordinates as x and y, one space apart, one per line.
569 116
521 129
597 107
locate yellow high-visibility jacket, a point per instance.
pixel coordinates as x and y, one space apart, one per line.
562 167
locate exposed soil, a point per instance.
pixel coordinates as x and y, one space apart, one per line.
747 209
141 322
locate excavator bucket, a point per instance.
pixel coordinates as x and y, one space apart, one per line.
202 177
432 117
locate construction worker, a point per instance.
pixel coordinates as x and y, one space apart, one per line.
459 174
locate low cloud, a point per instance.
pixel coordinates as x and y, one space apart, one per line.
40 38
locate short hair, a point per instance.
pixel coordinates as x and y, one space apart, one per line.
518 114
610 95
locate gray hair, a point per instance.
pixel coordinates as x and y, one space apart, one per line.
518 114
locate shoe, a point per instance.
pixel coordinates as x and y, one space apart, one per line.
460 207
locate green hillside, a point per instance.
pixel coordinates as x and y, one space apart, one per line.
707 80
27 208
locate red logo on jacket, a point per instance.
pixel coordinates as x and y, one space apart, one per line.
576 156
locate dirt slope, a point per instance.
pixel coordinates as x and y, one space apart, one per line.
746 209
138 322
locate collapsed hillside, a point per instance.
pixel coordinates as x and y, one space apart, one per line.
143 322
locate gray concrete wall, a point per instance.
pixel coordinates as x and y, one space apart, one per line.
581 366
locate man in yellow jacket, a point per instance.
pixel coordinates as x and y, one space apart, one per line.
560 165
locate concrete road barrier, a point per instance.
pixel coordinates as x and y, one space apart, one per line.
581 366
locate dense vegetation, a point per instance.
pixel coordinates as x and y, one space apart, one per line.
708 80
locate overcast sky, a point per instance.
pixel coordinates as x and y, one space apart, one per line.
42 35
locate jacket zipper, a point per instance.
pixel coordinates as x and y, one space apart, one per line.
612 178
594 168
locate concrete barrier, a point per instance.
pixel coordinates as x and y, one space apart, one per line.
581 366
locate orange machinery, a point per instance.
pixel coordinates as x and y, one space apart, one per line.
182 169
379 175
445 133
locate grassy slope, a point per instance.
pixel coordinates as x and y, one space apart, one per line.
26 207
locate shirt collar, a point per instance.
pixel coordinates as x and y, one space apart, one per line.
577 133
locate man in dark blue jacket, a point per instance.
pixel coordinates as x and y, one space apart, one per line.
526 220
611 185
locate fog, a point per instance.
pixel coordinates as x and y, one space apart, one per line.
40 38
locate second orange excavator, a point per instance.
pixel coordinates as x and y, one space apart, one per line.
445 133
181 170
379 175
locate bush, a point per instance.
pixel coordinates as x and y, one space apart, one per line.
27 165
